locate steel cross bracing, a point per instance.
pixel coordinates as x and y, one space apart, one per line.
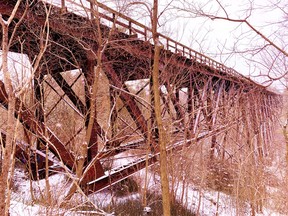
201 98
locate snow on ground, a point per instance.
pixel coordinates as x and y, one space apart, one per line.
19 208
205 202
57 183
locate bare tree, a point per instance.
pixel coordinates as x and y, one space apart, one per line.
7 151
267 53
159 120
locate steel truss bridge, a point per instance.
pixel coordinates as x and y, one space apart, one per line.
93 64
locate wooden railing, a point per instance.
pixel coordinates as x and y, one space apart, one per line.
134 27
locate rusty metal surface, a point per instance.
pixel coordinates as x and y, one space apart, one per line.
39 129
33 159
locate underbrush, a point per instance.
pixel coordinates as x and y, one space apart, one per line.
132 207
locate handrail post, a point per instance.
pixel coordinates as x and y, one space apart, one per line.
167 44
91 10
176 48
130 28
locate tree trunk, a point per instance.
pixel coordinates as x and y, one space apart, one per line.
157 107
7 151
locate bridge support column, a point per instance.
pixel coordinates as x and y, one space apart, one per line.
174 95
210 123
191 100
213 101
29 122
128 99
224 104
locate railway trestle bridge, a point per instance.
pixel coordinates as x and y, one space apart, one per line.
91 97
